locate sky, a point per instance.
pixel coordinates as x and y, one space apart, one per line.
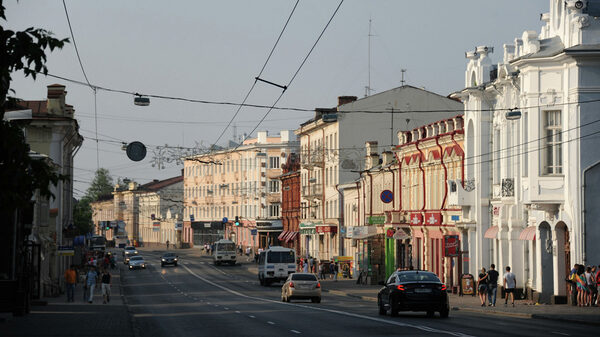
213 50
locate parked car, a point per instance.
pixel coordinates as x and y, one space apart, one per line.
169 258
413 290
301 286
137 261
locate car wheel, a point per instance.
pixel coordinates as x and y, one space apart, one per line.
445 312
262 281
175 264
382 310
393 307
430 313
316 300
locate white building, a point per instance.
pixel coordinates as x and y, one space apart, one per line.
332 153
531 151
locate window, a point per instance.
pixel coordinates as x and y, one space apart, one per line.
552 145
273 162
274 210
273 186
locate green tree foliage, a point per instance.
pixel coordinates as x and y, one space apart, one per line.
24 50
102 185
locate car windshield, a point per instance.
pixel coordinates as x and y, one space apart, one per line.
304 277
281 257
129 248
226 247
169 255
137 258
416 277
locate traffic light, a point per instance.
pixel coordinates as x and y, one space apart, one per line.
237 220
107 226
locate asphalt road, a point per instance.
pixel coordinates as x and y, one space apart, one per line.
199 299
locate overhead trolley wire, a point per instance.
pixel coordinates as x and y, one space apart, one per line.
256 78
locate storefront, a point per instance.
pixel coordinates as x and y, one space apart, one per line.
268 233
370 255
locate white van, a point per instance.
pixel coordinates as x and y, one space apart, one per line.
224 252
275 264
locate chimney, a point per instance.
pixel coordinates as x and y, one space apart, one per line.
388 158
346 99
56 99
262 137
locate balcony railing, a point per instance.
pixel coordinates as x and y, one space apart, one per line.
459 195
312 190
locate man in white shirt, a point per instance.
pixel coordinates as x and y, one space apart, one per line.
510 283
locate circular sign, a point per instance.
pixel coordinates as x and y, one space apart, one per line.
387 196
225 220
136 151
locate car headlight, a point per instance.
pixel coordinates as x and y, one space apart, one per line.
175 259
163 260
135 252
143 266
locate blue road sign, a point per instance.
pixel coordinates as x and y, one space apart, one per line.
455 217
225 219
253 231
387 196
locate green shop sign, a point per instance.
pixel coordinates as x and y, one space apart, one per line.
307 231
376 220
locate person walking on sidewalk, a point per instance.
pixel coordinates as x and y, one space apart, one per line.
90 281
336 269
167 244
321 271
71 280
510 283
482 286
492 285
106 282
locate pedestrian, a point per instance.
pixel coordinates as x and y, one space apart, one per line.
335 271
482 286
591 282
71 281
305 267
321 271
492 285
510 283
106 282
90 280
167 244
331 269
597 275
581 282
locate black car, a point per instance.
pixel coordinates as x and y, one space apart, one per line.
413 290
168 258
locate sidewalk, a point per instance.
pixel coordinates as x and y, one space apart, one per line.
523 308
57 317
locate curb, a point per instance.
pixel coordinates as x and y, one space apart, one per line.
495 313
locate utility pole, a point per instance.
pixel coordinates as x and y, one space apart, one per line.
368 88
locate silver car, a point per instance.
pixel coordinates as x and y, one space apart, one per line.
301 286
137 261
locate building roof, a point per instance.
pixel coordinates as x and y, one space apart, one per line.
156 184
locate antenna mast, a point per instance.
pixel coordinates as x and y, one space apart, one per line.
402 80
368 88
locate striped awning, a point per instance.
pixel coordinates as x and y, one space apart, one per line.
291 237
282 235
528 233
491 232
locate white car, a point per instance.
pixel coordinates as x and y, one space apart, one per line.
301 286
137 261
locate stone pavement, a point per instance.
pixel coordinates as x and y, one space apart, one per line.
57 317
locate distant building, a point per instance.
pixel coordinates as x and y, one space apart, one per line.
332 153
239 182
290 203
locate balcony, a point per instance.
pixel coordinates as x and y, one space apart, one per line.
313 159
459 195
273 198
312 191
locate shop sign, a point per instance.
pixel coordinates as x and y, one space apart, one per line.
401 234
65 251
389 233
451 243
253 231
349 232
179 225
307 231
433 219
416 219
361 232
376 220
326 229
156 226
308 225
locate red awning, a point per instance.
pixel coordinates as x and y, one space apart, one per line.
292 236
282 235
491 232
528 233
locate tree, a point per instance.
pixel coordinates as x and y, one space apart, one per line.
102 185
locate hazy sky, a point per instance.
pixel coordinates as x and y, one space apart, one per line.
212 50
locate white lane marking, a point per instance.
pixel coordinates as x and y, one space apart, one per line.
237 312
560 333
339 312
226 308
295 331
272 323
251 316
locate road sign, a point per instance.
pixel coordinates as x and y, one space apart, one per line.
192 217
387 196
253 231
225 219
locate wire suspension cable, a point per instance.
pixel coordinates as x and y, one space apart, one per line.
75 45
255 80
